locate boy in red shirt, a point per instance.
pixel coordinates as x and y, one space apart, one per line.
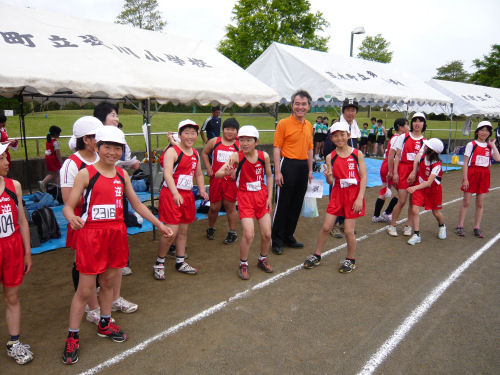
101 244
248 166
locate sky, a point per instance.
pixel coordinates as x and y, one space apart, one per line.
423 34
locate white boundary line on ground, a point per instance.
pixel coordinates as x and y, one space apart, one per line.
215 308
399 334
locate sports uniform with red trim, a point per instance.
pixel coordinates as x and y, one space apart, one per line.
346 187
478 172
409 151
11 241
252 191
384 168
51 160
102 242
431 197
183 174
222 188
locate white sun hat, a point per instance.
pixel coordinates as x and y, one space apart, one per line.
110 134
248 131
434 144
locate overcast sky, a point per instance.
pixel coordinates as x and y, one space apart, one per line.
424 34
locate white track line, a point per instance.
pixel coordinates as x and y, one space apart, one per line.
215 308
412 319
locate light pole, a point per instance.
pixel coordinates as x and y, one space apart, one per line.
357 30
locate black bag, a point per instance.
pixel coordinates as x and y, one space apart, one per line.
141 175
55 191
45 220
34 236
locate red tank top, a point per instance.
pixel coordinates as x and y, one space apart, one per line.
221 154
410 149
49 147
424 171
184 169
103 198
8 210
480 156
250 176
386 153
345 171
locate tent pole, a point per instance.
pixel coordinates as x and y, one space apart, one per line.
451 126
23 126
146 117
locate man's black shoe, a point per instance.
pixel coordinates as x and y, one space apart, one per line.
295 245
277 250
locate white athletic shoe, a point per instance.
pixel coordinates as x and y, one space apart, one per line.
126 271
407 231
386 218
20 352
121 304
442 232
377 219
392 231
186 268
159 271
93 316
414 239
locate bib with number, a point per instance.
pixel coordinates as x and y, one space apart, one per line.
185 182
410 156
346 182
6 225
104 212
482 161
223 156
253 186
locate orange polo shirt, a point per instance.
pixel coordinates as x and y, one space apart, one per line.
294 138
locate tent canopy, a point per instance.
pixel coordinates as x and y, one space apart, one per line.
52 54
330 78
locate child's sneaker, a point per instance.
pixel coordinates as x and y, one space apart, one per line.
159 271
264 266
121 304
20 352
460 231
126 271
442 232
211 233
377 219
186 268
407 231
391 229
311 261
231 238
70 353
415 239
347 266
94 316
243 272
386 218
478 233
112 331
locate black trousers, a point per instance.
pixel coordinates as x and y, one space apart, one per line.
290 198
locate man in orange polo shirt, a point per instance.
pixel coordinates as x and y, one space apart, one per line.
293 153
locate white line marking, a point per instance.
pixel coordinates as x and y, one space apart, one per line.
399 334
215 308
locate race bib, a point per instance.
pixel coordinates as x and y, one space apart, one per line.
223 156
482 161
48 152
253 186
103 212
410 156
185 182
6 225
346 182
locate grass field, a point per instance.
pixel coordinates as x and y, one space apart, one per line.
37 125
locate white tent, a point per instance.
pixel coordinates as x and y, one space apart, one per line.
49 54
330 78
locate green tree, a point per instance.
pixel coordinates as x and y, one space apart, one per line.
375 49
488 69
258 23
143 14
453 71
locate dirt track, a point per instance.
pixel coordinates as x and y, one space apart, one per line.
309 321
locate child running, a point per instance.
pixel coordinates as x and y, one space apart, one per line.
346 171
476 174
177 208
101 244
428 192
222 191
254 198
15 256
53 159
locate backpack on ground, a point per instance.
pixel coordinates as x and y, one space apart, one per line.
45 220
55 191
34 236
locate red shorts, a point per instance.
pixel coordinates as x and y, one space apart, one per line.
220 189
430 198
71 237
100 246
12 260
170 213
53 164
404 170
342 200
384 170
252 204
479 180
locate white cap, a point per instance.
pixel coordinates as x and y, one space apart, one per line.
434 144
3 148
187 122
340 125
248 131
110 134
86 125
418 114
484 123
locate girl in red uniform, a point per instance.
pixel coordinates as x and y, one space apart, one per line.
101 244
476 172
407 147
177 208
4 138
53 159
222 191
428 192
346 171
248 167
15 256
